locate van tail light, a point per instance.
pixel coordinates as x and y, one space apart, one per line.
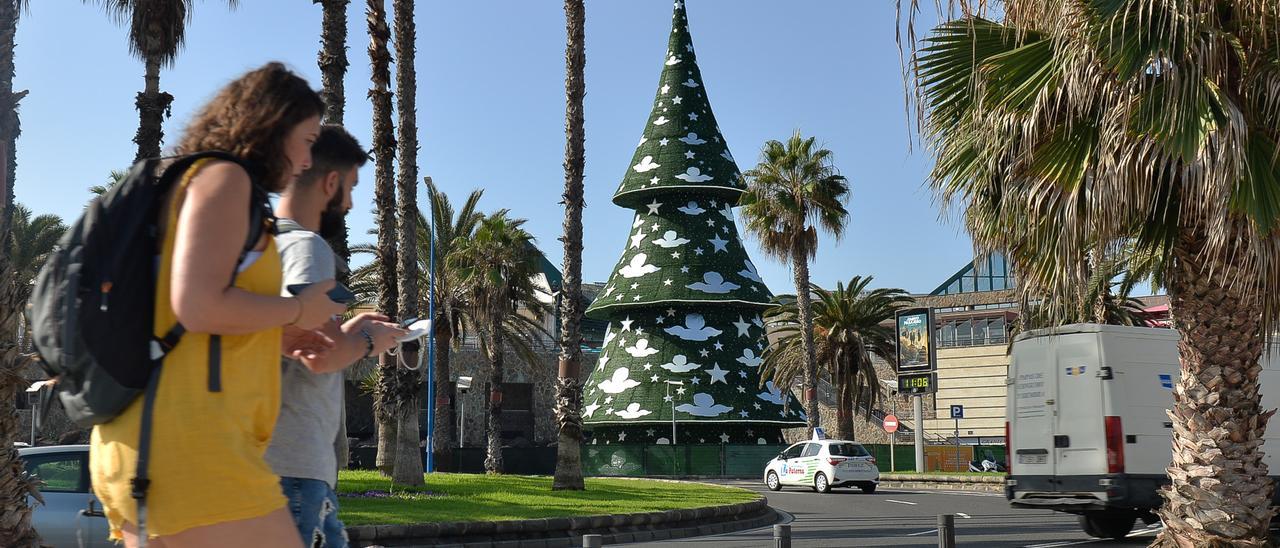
1008 450
1115 445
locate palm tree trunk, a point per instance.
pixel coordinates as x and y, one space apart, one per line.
443 437
408 448
844 402
568 385
1220 493
493 409
9 126
384 150
800 268
15 527
333 58
333 68
153 107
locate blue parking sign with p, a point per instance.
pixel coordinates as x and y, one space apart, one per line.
957 411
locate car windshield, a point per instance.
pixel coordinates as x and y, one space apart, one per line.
848 450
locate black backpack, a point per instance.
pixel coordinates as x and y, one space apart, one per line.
93 303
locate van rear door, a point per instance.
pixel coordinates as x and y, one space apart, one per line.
1031 421
1079 433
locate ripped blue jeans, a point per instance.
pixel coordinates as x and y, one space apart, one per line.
314 506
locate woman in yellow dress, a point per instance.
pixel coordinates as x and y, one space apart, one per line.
209 483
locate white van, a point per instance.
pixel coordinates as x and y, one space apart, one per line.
1087 431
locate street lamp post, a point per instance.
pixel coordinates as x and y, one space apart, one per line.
673 409
463 384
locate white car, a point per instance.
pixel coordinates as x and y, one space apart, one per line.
823 464
71 515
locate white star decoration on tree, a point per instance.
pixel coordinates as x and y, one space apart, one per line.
717 374
653 207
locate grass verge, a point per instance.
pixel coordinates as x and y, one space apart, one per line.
471 497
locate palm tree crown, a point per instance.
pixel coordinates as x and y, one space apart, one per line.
849 326
794 188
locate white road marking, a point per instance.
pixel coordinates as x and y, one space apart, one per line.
963 515
931 531
900 502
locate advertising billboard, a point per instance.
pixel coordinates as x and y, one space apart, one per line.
915 341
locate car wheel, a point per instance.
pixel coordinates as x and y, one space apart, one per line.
820 483
773 482
1113 525
868 488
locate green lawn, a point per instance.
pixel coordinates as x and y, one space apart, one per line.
457 497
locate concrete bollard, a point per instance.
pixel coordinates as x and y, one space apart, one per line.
592 541
781 536
946 531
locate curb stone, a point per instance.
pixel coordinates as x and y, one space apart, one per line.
562 533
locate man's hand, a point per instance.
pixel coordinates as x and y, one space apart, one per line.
383 333
305 345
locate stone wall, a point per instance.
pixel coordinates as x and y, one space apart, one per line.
542 375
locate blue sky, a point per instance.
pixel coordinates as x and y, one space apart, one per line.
491 109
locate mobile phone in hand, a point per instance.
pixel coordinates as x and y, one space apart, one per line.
339 294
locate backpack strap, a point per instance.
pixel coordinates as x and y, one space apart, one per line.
261 220
141 481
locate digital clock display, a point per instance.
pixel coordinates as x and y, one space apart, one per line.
920 383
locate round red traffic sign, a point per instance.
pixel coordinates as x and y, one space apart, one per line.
890 424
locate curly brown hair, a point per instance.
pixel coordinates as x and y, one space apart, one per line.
251 117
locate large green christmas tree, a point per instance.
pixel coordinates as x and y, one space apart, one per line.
684 302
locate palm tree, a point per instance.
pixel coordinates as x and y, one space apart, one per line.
16 529
333 68
496 266
790 193
1073 127
31 243
116 177
384 197
850 325
33 238
157 31
408 464
451 229
568 385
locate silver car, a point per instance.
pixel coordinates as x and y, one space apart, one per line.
71 516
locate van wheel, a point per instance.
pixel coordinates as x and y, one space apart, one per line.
820 483
1113 525
772 481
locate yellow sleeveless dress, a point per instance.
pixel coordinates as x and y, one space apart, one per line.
207 447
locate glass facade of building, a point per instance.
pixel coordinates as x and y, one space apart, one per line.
989 274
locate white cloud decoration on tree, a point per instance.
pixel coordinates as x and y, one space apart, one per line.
642 349
704 405
695 328
693 175
637 267
633 411
692 139
714 283
680 364
646 165
691 209
619 383
750 359
670 239
773 394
